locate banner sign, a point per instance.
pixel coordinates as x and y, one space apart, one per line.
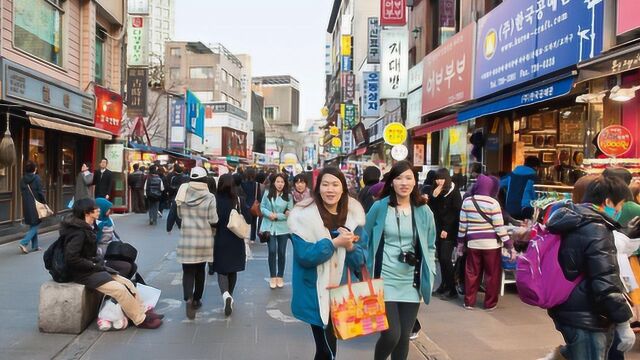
234 143
195 115
348 87
115 154
373 41
359 134
448 72
346 64
615 140
395 63
347 142
521 40
177 108
393 12
138 41
137 79
370 94
345 47
350 119
627 17
414 109
108 110
138 7
415 76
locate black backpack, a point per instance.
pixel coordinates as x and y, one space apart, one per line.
54 262
154 192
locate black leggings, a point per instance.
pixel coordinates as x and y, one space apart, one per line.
445 251
193 275
227 282
395 340
326 342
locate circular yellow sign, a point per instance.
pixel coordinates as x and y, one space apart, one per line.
336 142
324 112
334 131
395 134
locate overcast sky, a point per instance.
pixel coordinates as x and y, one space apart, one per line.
283 37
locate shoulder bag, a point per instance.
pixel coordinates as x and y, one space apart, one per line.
485 217
42 209
255 208
237 223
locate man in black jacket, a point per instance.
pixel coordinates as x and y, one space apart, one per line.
136 184
597 309
103 180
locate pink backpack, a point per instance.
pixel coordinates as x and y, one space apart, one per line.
539 277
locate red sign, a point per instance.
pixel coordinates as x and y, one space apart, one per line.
615 140
137 21
627 18
447 72
393 12
234 143
108 110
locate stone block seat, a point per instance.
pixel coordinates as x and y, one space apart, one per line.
66 308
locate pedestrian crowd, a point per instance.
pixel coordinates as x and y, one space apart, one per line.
393 228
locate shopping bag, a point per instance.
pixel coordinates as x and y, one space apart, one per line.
357 309
148 295
110 310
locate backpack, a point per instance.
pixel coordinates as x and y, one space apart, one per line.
154 191
539 276
54 262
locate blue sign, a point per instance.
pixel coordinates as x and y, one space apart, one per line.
370 94
521 40
346 63
177 121
195 115
534 95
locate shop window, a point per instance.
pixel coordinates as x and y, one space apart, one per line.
37 29
202 72
37 149
68 162
99 68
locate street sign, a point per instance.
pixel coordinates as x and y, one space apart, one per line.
336 142
399 152
334 131
395 134
615 140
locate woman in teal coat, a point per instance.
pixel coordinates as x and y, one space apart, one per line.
402 233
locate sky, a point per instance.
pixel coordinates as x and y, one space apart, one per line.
283 37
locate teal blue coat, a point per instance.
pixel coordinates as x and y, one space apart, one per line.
426 229
278 206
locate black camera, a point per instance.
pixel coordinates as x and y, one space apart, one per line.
408 257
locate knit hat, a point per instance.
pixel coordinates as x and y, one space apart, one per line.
198 173
486 185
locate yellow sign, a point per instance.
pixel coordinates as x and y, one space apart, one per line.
334 131
346 45
336 142
324 112
395 134
343 109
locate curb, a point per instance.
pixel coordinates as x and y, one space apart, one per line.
429 349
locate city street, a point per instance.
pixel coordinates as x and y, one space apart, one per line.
261 325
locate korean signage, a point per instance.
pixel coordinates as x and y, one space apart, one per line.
138 7
415 77
448 72
373 41
234 143
414 109
328 69
137 79
195 115
345 46
521 40
27 87
447 13
615 140
347 142
115 154
625 61
346 64
350 118
393 12
627 17
394 63
348 86
395 134
108 110
210 109
177 108
138 41
370 94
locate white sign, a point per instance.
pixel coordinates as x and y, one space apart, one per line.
115 154
394 43
347 141
138 7
415 77
370 94
399 152
414 109
138 41
177 134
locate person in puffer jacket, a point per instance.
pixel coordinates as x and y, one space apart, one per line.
519 189
597 308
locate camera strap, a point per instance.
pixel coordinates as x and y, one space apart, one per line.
413 228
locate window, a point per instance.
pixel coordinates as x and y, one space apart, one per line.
203 72
271 113
99 68
38 29
224 76
174 73
165 13
157 23
204 95
165 25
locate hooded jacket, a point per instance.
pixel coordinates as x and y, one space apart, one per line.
588 248
104 226
31 181
520 191
196 207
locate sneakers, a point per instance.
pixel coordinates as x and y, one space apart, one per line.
153 314
280 282
104 325
272 283
23 249
121 324
191 311
414 335
468 307
150 323
228 303
491 308
197 304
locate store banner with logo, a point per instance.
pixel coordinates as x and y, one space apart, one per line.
522 40
345 46
394 63
627 17
448 72
350 116
373 41
234 143
137 79
177 108
115 154
414 109
138 41
195 115
346 63
348 87
370 94
108 114
393 12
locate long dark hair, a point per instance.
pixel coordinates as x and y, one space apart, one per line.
397 169
227 188
332 221
443 173
273 192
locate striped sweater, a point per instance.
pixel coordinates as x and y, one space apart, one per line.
475 231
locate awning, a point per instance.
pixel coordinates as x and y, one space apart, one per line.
546 90
177 154
614 62
436 125
361 151
67 126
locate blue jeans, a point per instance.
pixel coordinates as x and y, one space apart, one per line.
31 236
153 211
584 344
277 247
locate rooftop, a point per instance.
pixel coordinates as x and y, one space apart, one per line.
275 80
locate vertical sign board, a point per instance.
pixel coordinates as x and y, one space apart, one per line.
138 43
393 12
345 46
349 86
370 94
137 79
195 115
519 41
394 63
627 17
108 114
177 106
373 41
138 7
350 119
414 109
347 142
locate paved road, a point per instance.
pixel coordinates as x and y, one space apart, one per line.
261 326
